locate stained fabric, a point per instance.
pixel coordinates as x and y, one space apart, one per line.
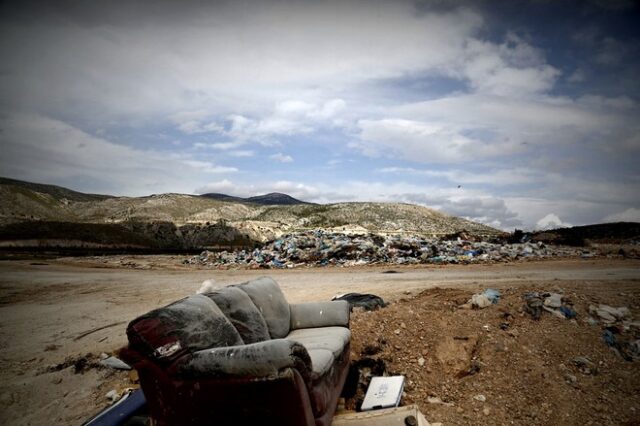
261 359
333 339
188 325
267 296
245 316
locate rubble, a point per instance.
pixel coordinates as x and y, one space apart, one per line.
323 248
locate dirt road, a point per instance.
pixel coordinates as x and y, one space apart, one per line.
46 310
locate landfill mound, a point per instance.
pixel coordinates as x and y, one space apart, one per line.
499 365
321 248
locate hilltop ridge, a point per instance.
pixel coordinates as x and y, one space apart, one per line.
45 214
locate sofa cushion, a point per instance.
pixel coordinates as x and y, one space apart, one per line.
333 339
188 325
242 312
319 314
321 361
267 296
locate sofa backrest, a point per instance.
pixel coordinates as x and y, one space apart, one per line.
188 325
267 296
242 312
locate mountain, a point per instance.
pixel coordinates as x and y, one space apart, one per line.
271 199
54 191
47 215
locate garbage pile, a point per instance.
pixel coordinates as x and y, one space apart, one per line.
619 332
323 248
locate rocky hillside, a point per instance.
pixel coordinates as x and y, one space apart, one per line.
41 215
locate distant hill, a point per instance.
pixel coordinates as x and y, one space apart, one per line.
602 233
52 216
271 199
55 191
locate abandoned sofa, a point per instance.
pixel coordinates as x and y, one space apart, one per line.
241 355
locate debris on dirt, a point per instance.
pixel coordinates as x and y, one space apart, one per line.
368 302
608 314
115 363
322 248
534 372
112 396
554 303
483 300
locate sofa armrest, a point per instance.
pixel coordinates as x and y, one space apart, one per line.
262 359
319 314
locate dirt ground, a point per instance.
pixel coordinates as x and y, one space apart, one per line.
57 316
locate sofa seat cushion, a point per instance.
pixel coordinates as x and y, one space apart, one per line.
242 312
333 339
185 326
267 296
321 361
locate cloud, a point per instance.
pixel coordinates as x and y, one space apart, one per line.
281 158
209 167
551 221
513 68
504 177
46 150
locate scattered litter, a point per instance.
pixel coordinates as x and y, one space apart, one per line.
568 312
480 301
115 363
207 287
112 395
554 300
609 314
554 303
483 300
623 346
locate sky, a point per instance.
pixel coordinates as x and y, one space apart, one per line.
516 114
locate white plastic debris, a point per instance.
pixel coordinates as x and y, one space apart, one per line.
207 287
115 363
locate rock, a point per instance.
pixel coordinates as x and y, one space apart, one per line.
421 361
480 398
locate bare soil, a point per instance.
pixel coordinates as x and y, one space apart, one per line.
57 316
